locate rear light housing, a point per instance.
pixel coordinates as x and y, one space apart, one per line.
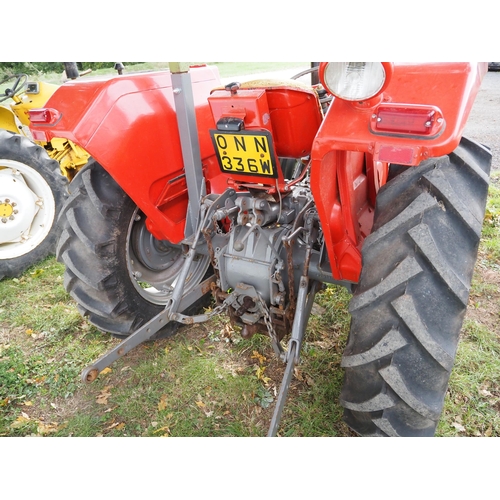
44 116
407 119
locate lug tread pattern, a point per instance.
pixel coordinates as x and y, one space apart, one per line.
90 275
105 246
385 427
407 311
402 274
103 207
408 308
390 343
473 156
379 402
422 237
439 182
394 379
421 204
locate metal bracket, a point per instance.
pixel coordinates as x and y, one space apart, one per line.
188 132
305 302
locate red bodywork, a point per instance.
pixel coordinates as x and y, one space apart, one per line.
128 124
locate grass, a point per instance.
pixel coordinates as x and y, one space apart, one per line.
206 381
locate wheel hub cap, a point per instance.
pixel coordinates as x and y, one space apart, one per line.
6 210
18 207
154 265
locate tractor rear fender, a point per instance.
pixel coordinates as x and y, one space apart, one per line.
128 124
8 120
357 142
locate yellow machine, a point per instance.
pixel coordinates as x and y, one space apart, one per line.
34 177
28 95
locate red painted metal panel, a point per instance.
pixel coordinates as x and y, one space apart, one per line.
128 124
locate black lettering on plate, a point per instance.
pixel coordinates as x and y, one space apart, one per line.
221 141
228 165
240 144
265 167
240 167
260 144
252 165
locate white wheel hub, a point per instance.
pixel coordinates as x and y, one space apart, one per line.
27 209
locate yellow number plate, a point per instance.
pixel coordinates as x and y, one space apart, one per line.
245 152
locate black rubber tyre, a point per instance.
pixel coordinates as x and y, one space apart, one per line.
32 193
408 308
115 269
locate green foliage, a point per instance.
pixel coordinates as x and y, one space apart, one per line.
263 397
49 67
40 69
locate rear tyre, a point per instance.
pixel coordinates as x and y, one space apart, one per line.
117 272
32 193
408 308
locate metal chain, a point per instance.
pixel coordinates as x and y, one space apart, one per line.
270 329
219 309
217 228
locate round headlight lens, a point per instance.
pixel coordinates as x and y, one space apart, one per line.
354 81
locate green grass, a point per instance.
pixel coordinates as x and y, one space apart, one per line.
206 381
491 227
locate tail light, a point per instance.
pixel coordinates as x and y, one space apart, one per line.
44 116
407 119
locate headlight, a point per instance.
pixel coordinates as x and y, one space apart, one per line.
353 81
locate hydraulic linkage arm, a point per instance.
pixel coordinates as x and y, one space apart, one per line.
177 303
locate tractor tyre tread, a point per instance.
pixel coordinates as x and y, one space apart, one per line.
408 307
94 222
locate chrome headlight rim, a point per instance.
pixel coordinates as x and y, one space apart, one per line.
355 81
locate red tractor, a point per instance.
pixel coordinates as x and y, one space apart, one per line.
259 193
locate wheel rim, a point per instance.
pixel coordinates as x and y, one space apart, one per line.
154 265
27 209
